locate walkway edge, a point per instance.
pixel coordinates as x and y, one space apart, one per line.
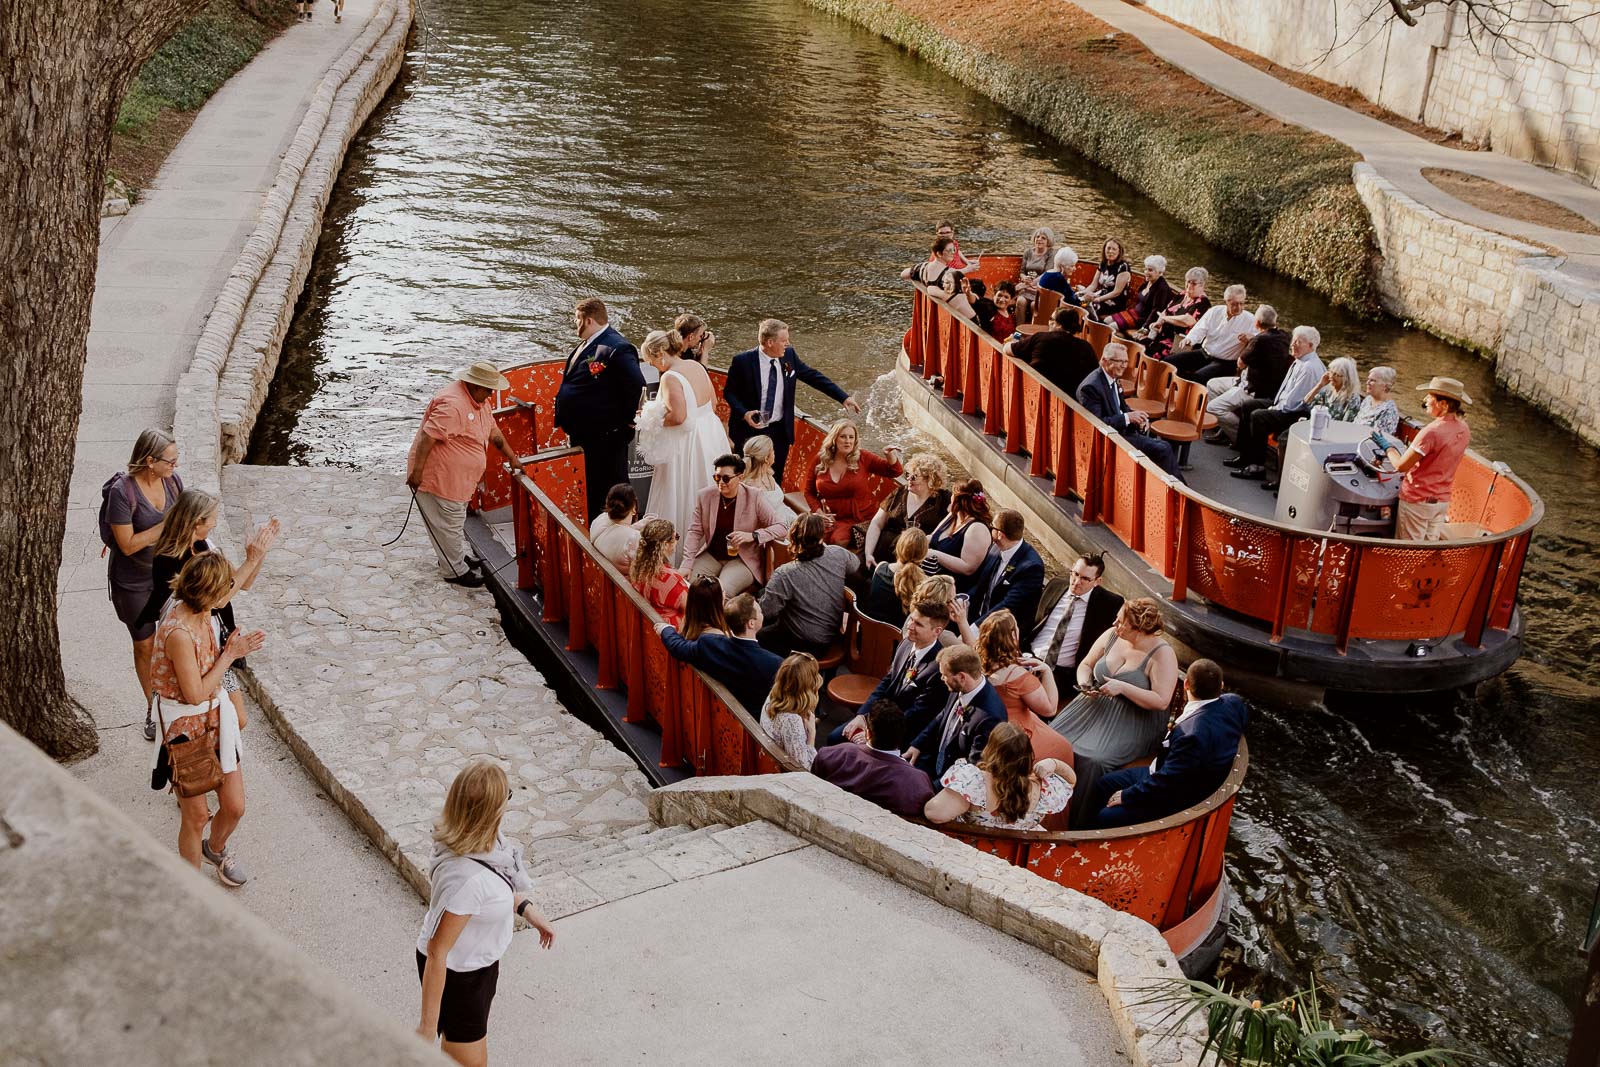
264 283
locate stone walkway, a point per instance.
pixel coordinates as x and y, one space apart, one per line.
386 681
1396 155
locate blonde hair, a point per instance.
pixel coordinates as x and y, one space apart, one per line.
1008 757
655 549
999 641
205 582
910 549
147 449
830 447
930 468
759 451
177 530
659 341
1143 614
940 588
477 799
796 688
1350 374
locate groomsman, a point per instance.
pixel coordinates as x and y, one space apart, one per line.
760 392
598 399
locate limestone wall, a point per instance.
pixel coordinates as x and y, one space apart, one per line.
1492 293
114 951
1532 95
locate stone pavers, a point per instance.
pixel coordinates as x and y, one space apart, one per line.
386 681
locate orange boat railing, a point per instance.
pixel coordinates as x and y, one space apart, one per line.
1349 587
1167 872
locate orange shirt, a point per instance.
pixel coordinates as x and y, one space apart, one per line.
460 432
1441 443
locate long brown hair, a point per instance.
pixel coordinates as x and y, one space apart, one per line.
477 799
702 612
655 549
796 688
999 641
177 530
1008 757
807 536
969 499
909 551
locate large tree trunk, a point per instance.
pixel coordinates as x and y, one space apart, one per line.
64 68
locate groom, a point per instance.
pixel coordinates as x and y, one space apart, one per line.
598 399
760 392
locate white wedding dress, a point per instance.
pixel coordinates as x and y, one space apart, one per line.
682 455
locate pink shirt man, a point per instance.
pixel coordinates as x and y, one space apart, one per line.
1441 444
460 432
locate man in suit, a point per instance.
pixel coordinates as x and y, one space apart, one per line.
876 771
1102 396
760 392
1195 757
912 681
1072 615
598 399
1012 577
962 727
738 662
729 530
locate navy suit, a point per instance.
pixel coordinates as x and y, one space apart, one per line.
1195 758
744 667
921 698
743 394
1017 590
1104 401
596 408
935 754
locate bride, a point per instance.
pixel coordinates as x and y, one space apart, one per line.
679 431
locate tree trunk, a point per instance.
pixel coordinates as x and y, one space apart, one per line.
64 69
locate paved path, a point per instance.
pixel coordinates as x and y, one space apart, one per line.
393 680
1396 155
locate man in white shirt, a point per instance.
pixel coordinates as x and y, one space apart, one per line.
1073 612
912 680
1258 421
1211 347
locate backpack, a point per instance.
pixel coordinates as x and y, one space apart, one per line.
119 482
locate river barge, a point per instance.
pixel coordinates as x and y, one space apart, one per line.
1294 608
582 623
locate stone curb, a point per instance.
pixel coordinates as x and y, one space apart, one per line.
1124 954
1501 296
262 285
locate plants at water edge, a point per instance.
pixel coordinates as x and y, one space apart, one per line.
1291 1032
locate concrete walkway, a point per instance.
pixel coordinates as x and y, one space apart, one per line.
1396 155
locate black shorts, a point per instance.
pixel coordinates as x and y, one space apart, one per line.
464 1005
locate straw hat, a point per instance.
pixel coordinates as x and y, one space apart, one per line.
1450 387
484 375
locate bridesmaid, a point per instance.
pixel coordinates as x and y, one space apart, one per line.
959 544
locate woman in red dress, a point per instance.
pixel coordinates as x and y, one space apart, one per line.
652 573
839 486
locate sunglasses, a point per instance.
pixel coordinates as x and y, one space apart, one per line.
723 479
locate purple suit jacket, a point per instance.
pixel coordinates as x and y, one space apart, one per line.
873 774
752 514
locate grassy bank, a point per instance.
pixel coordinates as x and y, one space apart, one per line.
1280 195
183 74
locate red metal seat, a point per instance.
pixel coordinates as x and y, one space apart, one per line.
1154 383
1130 378
1045 306
1098 334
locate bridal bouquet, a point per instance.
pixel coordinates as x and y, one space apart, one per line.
653 440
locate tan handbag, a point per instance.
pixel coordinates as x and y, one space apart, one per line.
196 770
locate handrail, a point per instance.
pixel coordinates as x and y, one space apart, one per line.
1536 503
624 588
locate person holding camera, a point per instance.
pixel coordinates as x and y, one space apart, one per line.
698 339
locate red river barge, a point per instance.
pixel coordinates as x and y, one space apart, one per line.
593 635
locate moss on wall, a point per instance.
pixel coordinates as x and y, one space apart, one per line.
1280 195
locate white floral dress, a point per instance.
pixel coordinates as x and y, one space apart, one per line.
967 779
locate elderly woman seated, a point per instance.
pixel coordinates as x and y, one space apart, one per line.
1179 316
1377 407
1036 259
1107 294
1153 299
1059 279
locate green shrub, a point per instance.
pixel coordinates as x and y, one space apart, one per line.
192 65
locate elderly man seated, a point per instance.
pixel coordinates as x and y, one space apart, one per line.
1101 394
1211 348
1259 420
1194 760
1263 361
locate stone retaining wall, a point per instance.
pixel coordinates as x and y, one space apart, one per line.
1127 956
1495 294
235 359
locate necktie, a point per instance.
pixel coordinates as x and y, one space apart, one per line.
1051 657
769 398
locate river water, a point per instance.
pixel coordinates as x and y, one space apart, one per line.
1428 861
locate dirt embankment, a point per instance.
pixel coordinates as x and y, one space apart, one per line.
182 75
1278 194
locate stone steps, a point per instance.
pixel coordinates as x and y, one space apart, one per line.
590 874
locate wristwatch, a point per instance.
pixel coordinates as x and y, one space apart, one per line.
524 904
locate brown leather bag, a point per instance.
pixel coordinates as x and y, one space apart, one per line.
196 770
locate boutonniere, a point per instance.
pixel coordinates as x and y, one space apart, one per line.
596 368
1009 568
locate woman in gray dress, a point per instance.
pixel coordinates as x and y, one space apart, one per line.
1125 687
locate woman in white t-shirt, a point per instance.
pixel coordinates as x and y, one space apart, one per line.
478 886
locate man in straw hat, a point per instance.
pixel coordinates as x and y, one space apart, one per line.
1429 463
447 459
